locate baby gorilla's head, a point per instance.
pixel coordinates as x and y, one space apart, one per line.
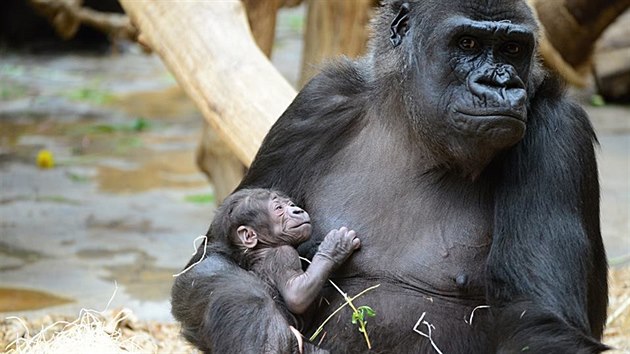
261 218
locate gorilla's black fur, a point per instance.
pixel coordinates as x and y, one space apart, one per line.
466 172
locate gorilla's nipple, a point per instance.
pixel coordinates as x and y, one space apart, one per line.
461 281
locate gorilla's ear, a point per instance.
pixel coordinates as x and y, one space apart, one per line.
400 25
247 235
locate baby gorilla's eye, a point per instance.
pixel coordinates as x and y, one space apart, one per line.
468 43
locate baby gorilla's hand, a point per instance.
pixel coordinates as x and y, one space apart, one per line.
339 245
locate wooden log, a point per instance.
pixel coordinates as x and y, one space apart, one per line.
66 16
612 61
214 157
570 31
208 47
334 27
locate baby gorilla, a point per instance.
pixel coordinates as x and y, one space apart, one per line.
263 227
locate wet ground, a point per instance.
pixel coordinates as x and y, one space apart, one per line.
125 199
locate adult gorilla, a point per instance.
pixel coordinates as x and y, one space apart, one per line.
469 177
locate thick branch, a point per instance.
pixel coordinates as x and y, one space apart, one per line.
571 28
67 15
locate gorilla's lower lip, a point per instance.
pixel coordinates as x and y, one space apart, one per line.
493 122
302 224
492 114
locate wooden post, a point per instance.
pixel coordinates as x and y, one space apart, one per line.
334 27
262 22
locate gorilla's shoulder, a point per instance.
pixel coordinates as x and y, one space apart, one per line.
323 116
338 82
554 108
336 97
343 76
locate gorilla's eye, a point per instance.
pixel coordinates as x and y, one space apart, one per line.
468 43
512 48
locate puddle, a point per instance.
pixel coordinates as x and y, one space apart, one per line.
170 103
172 169
123 225
161 157
12 258
14 299
141 279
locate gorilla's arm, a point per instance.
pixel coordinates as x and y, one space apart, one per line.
225 309
313 128
547 248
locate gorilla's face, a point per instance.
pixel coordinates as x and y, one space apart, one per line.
472 77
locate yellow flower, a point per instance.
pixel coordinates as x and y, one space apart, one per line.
45 159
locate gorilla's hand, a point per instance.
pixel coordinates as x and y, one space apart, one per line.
338 245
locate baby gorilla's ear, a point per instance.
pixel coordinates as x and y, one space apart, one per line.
247 235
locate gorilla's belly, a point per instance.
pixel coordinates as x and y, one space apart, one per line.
398 310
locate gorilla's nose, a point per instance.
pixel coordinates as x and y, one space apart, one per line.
297 210
499 87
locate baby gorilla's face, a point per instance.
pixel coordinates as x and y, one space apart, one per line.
289 223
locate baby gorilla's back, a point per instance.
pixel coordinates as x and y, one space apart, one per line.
240 306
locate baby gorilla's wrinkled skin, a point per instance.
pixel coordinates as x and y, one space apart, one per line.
270 252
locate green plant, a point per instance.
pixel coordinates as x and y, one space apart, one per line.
359 317
89 94
597 101
199 198
139 124
359 314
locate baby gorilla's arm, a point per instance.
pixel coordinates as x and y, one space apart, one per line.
299 288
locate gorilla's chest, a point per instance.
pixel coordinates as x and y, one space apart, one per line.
432 233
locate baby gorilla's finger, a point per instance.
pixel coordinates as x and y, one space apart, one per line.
354 242
345 240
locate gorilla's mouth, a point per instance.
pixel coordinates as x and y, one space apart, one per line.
492 114
301 224
501 122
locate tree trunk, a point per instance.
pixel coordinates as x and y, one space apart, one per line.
612 62
334 27
209 49
219 163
